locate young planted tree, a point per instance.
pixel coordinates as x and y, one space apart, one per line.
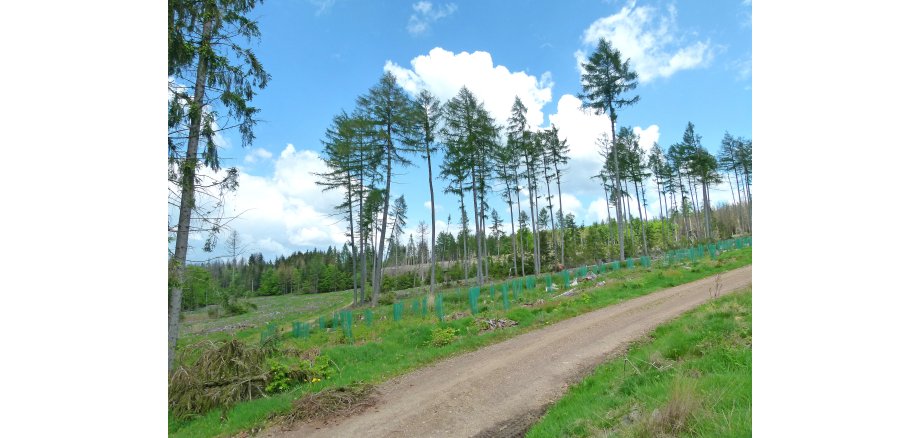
388 108
605 80
207 58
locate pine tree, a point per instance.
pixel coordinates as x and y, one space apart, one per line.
388 108
605 79
206 57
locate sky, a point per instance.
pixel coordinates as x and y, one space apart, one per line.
694 61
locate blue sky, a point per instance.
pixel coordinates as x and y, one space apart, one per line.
693 58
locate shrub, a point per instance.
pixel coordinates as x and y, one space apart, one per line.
443 336
387 298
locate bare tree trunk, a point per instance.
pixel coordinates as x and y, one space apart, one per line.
476 222
187 200
517 191
549 202
513 236
639 202
617 192
464 230
747 182
609 222
561 214
433 260
533 223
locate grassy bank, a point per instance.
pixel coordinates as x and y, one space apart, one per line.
691 378
386 348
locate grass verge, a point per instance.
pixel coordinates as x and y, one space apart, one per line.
388 348
692 378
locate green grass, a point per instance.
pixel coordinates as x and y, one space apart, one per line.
694 371
276 309
389 348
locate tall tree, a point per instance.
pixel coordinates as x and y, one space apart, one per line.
506 167
635 173
399 212
339 153
548 137
471 133
706 169
559 155
429 114
206 54
605 80
388 108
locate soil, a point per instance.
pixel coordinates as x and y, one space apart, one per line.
504 388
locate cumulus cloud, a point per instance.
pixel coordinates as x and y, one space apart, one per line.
425 14
443 73
285 211
647 137
650 39
256 155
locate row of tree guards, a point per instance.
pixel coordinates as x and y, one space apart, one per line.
510 291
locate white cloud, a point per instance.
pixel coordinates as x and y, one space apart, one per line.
258 154
437 207
425 14
443 73
285 211
597 211
647 137
650 39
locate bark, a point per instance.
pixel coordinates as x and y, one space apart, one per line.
378 259
187 200
609 222
552 220
641 218
431 192
616 177
476 223
520 237
561 214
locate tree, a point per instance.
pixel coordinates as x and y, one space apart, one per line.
506 167
399 212
469 134
342 158
559 155
635 169
605 79
387 107
429 115
706 168
206 56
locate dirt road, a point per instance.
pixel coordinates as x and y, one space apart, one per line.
500 390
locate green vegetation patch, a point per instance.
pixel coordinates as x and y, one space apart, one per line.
387 348
692 378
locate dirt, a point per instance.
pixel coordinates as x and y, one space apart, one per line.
502 389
